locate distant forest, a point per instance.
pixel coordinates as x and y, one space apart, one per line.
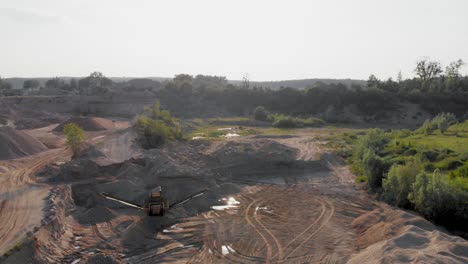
436 88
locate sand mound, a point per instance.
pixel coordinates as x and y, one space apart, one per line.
416 245
15 144
396 236
88 123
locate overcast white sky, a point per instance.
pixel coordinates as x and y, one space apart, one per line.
267 39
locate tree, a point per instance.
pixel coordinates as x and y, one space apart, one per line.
426 70
31 84
399 77
373 82
182 79
73 84
5 88
453 75
453 70
75 136
96 83
246 81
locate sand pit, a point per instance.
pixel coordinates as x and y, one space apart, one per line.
88 124
15 144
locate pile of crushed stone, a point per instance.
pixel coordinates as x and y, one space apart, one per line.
102 259
16 144
88 124
259 151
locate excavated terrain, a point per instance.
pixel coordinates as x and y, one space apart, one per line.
269 199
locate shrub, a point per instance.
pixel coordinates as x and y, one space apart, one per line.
428 127
439 201
260 113
373 169
282 121
462 171
442 122
313 122
154 127
375 140
361 179
398 183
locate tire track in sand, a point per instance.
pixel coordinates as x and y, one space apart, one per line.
331 214
255 227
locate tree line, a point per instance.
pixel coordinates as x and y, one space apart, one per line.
434 88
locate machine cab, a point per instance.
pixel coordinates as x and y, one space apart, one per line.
155 204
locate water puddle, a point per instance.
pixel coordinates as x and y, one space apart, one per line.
224 128
172 229
227 249
229 135
231 202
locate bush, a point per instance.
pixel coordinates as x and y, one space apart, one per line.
261 114
154 127
442 122
462 171
282 121
398 183
373 169
428 127
439 201
313 122
375 140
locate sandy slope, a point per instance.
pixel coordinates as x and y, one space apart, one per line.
15 144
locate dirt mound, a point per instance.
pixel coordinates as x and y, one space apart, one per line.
258 151
88 123
96 214
15 144
396 236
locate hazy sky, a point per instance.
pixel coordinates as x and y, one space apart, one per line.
266 39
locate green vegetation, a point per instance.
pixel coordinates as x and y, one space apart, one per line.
75 136
5 88
441 122
261 114
427 172
156 126
284 121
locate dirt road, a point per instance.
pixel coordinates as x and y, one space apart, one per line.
21 198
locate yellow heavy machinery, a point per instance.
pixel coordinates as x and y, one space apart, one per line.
155 204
